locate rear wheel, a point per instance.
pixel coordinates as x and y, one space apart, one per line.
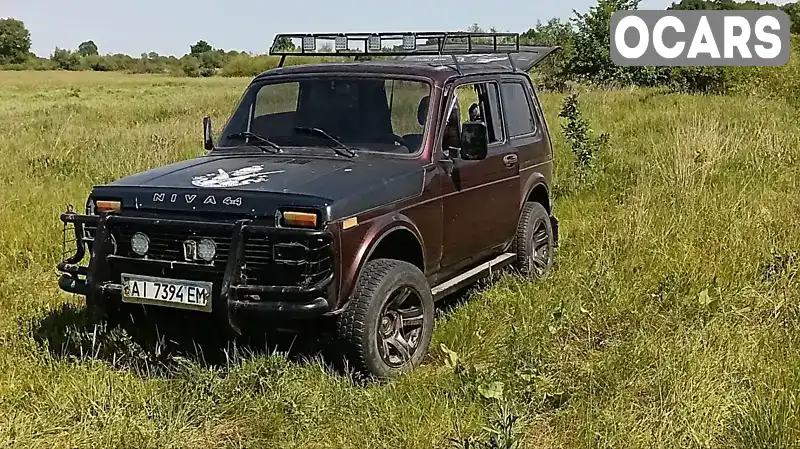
387 326
534 244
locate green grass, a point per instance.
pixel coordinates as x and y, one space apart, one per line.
671 319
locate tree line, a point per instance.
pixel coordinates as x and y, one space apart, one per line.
584 38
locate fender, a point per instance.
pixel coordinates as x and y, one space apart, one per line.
534 180
376 231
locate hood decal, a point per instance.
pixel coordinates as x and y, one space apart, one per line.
236 178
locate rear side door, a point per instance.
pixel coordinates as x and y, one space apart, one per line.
480 198
525 128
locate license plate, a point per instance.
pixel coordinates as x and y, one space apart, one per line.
179 293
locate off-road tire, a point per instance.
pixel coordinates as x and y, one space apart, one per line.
533 221
358 326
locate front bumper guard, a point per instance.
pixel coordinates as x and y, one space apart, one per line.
94 281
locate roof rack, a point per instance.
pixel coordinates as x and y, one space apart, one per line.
457 46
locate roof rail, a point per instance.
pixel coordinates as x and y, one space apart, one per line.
405 44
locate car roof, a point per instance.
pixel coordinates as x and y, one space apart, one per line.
437 71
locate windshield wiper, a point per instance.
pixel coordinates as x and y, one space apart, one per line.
248 134
343 149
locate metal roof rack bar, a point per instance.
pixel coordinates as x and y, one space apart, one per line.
374 44
446 47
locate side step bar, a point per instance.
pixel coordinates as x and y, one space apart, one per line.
469 277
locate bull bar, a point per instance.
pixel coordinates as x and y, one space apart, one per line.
94 282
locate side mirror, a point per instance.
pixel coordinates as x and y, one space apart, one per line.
474 141
208 138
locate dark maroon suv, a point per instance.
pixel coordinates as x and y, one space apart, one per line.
360 192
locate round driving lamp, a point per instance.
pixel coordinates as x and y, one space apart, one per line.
140 243
206 249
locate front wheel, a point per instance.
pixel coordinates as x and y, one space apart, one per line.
387 326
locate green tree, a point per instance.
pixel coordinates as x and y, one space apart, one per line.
96 63
722 5
199 48
285 44
66 59
553 72
190 65
15 41
210 60
793 10
592 60
87 48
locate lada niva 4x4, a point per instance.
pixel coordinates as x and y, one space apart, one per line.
359 191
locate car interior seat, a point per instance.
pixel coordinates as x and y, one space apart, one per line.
415 140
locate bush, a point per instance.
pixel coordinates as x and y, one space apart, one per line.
771 82
206 72
190 66
96 63
708 80
584 145
149 65
592 59
246 65
65 59
552 73
33 63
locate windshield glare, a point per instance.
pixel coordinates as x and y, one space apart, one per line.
369 114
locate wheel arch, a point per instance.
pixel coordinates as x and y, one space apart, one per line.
401 243
395 237
537 190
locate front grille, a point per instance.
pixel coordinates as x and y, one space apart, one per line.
269 259
168 245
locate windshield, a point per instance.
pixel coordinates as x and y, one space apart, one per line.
366 114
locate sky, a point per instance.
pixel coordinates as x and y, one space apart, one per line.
169 27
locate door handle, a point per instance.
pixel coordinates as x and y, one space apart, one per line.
509 160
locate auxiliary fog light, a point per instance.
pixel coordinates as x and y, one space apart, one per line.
206 249
374 43
409 42
309 43
341 43
140 243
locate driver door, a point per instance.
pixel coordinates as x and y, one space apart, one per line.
480 198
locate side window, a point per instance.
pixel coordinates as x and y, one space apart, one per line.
480 102
517 109
276 99
494 110
408 105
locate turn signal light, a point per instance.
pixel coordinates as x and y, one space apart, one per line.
107 206
300 219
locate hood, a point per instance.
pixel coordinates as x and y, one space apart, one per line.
257 185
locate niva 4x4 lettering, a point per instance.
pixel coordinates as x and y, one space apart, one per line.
360 192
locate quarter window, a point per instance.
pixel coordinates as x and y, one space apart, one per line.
517 110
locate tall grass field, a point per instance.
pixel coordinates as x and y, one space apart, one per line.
671 320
